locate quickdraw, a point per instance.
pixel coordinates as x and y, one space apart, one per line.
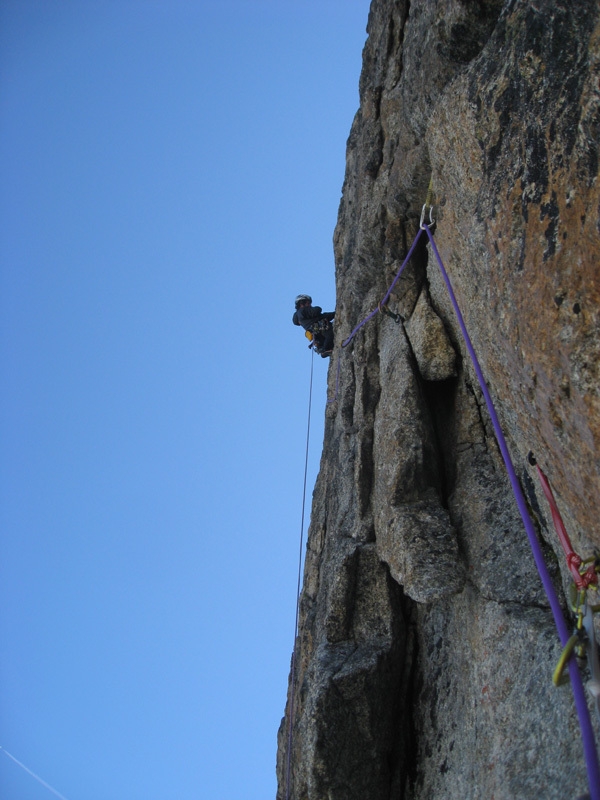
583 644
385 310
583 637
585 579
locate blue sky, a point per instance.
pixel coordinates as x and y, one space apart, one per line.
170 174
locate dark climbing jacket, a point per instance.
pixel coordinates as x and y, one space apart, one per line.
309 315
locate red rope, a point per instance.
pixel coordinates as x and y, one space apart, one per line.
574 562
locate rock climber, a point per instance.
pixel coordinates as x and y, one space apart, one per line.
315 322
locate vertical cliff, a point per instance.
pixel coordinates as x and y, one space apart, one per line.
426 644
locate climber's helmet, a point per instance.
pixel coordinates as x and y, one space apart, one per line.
301 299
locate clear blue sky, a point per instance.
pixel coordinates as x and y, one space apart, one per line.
170 173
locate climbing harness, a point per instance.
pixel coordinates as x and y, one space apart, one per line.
320 326
294 651
314 335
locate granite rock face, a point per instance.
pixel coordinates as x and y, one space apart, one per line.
426 645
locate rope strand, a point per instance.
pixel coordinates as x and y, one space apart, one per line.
293 677
386 297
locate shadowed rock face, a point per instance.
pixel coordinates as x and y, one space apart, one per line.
426 645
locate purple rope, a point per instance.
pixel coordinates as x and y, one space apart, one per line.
372 314
387 294
587 733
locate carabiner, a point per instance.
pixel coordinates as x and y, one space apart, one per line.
385 310
558 678
422 223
